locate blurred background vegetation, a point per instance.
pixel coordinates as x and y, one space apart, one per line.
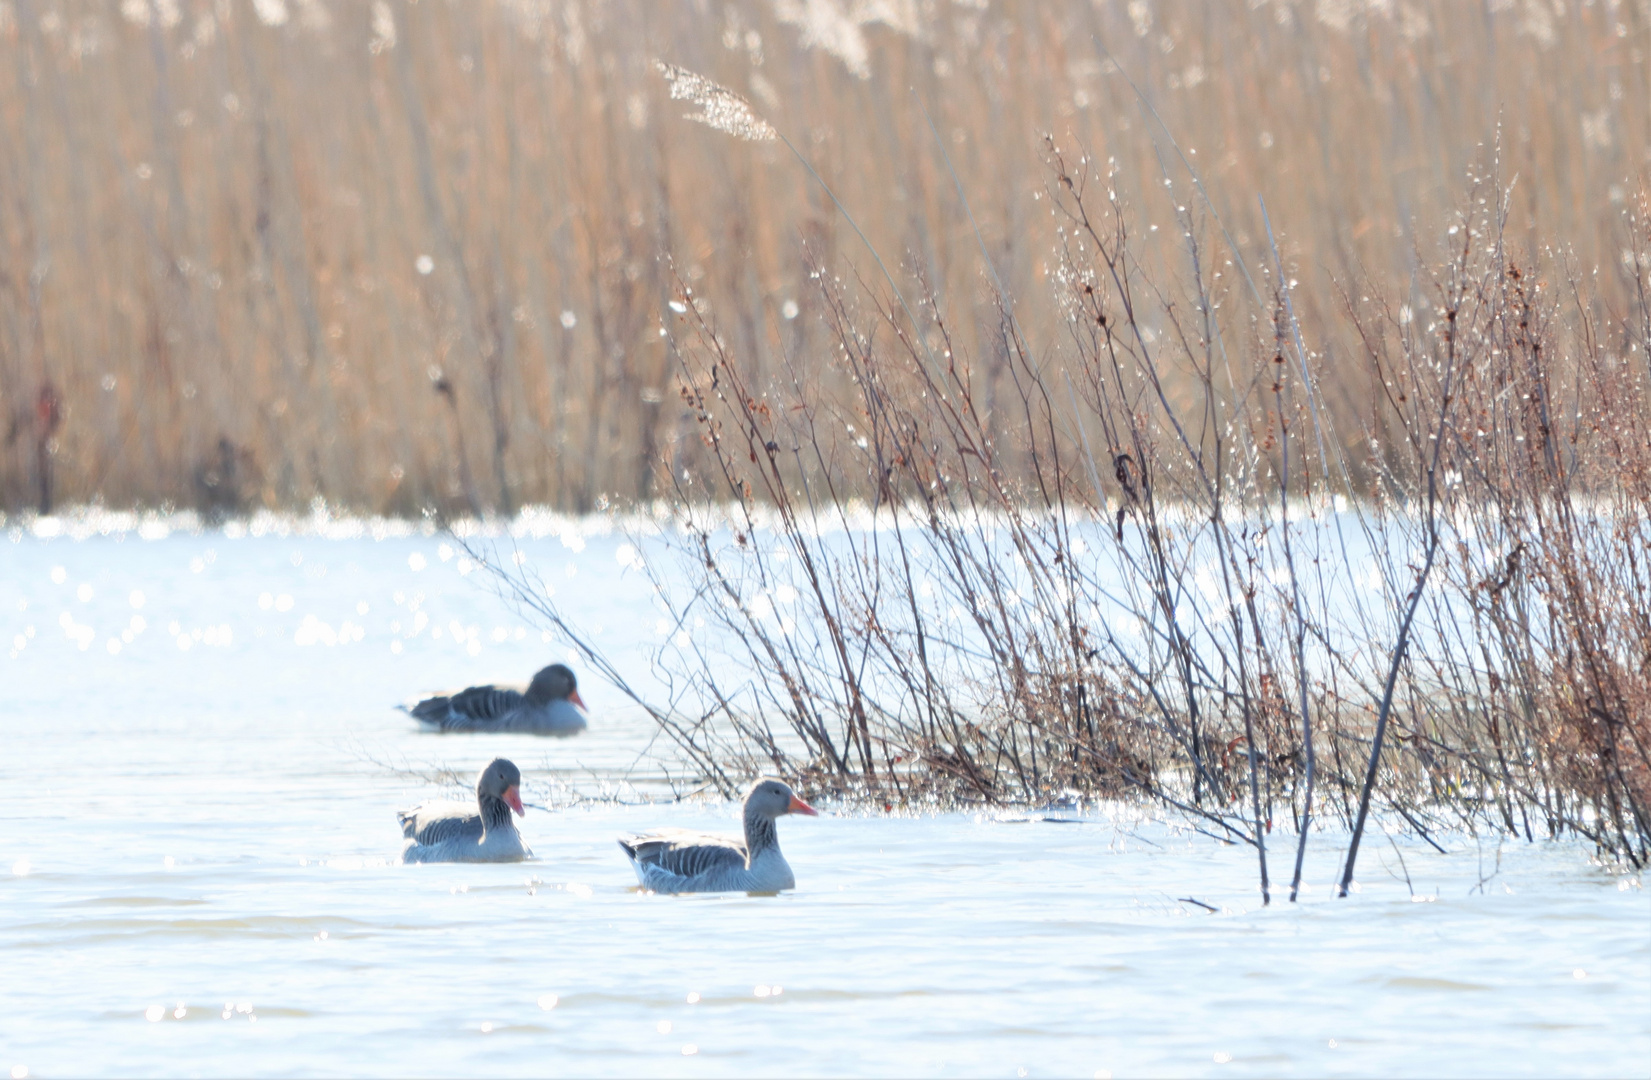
398 254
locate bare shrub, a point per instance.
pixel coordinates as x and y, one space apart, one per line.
1184 592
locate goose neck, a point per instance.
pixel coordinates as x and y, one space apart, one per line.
761 835
495 813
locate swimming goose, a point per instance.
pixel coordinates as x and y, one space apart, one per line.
682 861
551 706
453 832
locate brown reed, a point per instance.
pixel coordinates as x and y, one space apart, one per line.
396 255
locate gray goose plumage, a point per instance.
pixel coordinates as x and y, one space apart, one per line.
682 861
455 832
550 705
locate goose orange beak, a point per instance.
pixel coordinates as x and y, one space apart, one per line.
797 806
514 800
573 696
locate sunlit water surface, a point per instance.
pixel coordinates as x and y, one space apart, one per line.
198 779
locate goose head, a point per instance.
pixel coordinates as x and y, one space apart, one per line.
555 683
774 798
501 780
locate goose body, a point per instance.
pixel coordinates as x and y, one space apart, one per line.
549 705
683 861
457 832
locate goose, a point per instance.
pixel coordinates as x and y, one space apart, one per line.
682 861
454 832
551 705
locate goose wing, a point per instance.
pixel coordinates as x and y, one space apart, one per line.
485 702
432 710
685 853
439 823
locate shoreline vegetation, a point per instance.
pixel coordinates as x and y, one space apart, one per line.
1196 615
1250 448
1494 673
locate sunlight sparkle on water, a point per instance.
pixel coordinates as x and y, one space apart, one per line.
693 997
154 1013
79 633
548 1002
663 1027
20 868
690 1050
18 1072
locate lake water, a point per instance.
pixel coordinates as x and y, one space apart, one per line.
200 765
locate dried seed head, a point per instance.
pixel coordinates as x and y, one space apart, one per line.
719 107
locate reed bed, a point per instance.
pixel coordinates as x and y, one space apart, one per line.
393 255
